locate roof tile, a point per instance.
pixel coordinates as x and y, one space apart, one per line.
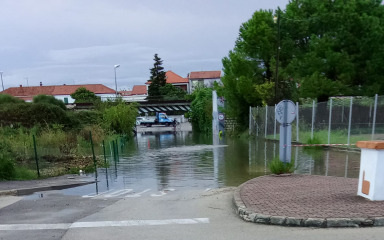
205 75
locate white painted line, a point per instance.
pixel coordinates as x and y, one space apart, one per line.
127 223
137 194
162 193
118 193
208 189
16 227
95 195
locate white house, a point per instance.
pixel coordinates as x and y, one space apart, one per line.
203 78
139 93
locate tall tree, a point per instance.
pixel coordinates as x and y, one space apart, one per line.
157 79
323 48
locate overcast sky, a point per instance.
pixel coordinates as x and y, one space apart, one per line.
79 41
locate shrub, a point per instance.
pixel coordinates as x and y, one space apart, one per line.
201 110
49 100
88 117
5 98
31 114
7 168
120 118
278 167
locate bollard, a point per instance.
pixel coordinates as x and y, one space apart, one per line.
371 177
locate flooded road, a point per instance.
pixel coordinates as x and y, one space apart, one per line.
160 162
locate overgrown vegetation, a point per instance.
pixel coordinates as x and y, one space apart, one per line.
201 109
62 136
278 167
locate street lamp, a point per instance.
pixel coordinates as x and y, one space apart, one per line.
1 74
116 66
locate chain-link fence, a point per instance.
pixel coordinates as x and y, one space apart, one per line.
56 152
341 120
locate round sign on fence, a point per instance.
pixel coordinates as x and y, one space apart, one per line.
221 116
291 111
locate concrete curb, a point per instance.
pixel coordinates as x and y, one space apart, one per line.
254 217
26 191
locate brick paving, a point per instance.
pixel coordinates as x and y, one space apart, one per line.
306 197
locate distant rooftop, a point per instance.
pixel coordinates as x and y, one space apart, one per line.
205 75
27 92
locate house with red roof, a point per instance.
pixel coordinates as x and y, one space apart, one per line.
203 78
175 80
139 93
61 92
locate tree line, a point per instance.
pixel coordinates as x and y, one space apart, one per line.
312 49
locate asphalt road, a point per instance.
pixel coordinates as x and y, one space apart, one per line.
173 214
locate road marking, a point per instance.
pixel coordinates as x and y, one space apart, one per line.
95 194
137 194
118 193
164 192
127 223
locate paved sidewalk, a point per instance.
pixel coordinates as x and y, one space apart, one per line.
307 200
27 187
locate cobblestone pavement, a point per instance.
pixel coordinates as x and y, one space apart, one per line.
307 200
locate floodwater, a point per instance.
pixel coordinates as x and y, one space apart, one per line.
182 160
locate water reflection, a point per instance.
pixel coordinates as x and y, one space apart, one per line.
179 160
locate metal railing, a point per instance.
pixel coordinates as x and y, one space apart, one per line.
341 120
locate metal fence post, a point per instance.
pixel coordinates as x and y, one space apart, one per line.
330 121
117 150
266 121
36 159
297 121
257 125
274 125
313 117
105 157
374 117
350 120
93 154
250 118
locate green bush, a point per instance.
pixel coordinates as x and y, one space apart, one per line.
201 110
7 167
278 167
120 118
5 98
31 114
88 117
50 100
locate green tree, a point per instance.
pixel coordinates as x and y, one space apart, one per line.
201 109
323 48
120 118
157 79
83 95
170 92
50 100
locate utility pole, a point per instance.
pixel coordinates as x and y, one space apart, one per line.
1 74
277 20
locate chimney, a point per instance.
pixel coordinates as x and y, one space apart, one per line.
21 85
41 84
64 84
